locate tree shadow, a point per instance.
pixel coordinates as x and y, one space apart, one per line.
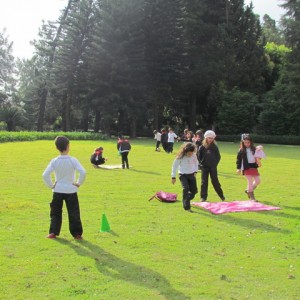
246 223
285 206
119 269
280 214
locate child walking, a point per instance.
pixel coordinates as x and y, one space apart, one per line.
124 147
187 165
97 158
171 138
157 137
209 158
65 188
164 139
246 164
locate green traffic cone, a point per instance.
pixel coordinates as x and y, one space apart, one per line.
104 224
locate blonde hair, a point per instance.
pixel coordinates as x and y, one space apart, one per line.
206 144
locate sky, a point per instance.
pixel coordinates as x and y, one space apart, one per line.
22 19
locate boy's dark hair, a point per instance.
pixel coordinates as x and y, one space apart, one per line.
61 143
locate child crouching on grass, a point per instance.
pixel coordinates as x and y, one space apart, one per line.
65 188
187 165
97 158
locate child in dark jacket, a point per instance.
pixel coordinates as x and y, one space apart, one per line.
124 147
209 157
96 158
246 164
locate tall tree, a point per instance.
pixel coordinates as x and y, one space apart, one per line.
71 48
165 54
50 34
271 31
7 67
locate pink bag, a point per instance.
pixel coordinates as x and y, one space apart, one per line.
164 197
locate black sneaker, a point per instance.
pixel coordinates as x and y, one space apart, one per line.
223 198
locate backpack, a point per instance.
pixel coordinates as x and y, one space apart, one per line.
124 146
164 197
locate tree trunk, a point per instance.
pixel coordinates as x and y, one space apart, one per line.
133 127
97 120
192 112
42 109
156 115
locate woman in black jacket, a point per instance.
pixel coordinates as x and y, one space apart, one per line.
209 157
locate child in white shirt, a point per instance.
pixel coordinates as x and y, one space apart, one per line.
65 188
186 163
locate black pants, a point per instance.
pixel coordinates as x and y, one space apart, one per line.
72 204
124 156
189 186
170 147
213 173
165 146
157 144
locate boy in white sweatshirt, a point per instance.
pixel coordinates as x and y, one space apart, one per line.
65 188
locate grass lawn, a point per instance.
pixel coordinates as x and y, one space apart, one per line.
154 250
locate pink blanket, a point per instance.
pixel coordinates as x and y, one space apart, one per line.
234 206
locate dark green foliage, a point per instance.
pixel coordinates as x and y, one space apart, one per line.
237 112
34 136
133 66
263 139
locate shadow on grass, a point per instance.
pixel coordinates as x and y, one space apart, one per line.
119 269
285 206
280 214
229 175
142 171
247 223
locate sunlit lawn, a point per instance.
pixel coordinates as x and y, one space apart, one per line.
154 250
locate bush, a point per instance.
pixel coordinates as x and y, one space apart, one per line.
263 139
6 136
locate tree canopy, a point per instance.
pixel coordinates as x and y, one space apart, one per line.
138 65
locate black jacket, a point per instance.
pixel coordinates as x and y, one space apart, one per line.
123 145
241 160
209 157
97 159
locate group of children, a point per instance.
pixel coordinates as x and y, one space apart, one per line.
207 157
166 139
189 159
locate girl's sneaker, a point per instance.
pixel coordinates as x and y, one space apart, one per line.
78 237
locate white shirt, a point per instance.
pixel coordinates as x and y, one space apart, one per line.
250 156
171 137
64 168
157 136
185 165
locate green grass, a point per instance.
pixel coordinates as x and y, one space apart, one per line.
154 250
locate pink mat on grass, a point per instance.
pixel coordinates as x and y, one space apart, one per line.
234 206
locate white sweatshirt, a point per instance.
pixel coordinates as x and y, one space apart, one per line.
185 165
157 136
171 137
64 168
